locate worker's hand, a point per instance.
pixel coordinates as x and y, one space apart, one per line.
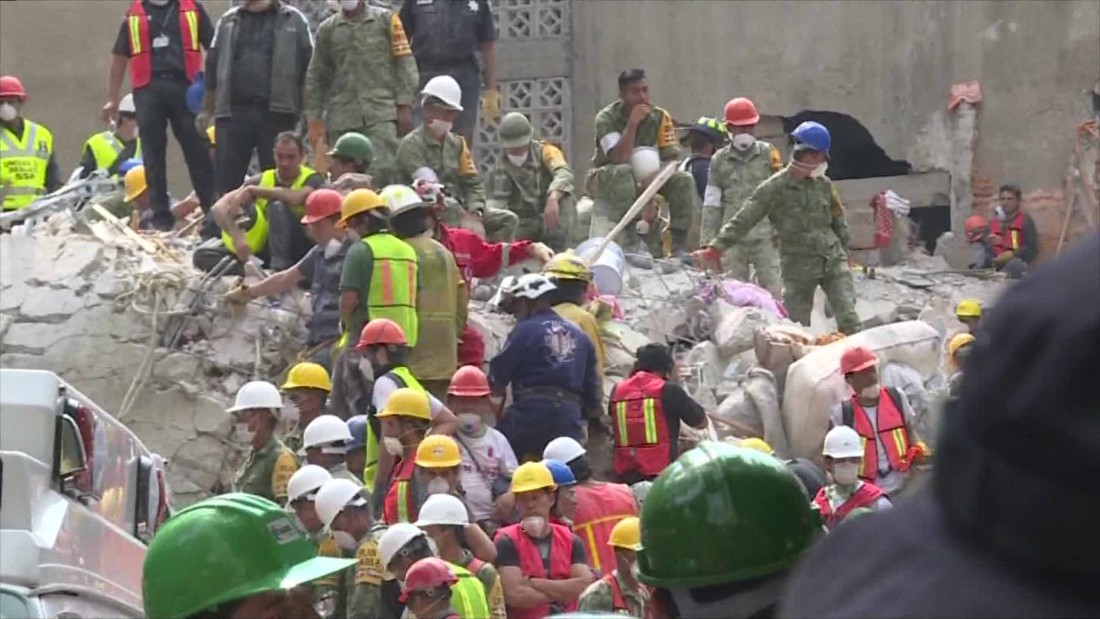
993 239
240 245
353 180
110 109
708 258
490 105
551 213
404 120
1004 258
638 113
202 122
540 252
238 296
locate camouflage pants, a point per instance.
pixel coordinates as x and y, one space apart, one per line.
529 221
614 189
764 258
383 137
500 224
801 277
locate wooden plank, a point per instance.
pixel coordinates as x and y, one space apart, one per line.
133 236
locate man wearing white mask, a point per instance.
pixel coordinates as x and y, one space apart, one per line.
325 443
843 456
268 465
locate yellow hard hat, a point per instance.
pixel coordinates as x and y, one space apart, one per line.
406 402
532 476
134 182
307 375
568 265
627 534
968 308
957 342
210 135
758 444
359 201
438 452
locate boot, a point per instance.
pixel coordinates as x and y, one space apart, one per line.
680 246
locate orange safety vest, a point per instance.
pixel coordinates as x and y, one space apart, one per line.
141 44
641 431
864 496
530 563
892 431
1011 239
599 509
399 505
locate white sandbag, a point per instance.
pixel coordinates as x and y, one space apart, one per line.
736 326
815 387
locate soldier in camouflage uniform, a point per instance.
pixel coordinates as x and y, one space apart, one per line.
331 591
813 234
619 591
735 171
621 128
532 179
362 78
268 465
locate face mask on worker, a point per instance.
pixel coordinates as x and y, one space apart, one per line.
846 473
243 434
290 411
8 112
534 526
742 141
469 423
333 247
819 171
518 160
870 392
393 445
345 540
439 128
349 5
438 485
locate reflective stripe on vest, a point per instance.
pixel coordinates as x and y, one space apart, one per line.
23 163
891 430
398 505
599 508
531 565
642 438
256 234
141 48
393 284
1014 233
468 594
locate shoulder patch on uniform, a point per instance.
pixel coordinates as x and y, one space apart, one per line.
552 156
399 41
667 132
837 205
368 569
285 466
466 165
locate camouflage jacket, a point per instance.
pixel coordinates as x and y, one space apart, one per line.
266 471
524 188
450 159
733 176
657 130
367 600
598 597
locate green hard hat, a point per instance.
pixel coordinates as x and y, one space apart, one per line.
354 146
723 514
515 130
227 548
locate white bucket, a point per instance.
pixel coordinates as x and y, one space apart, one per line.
609 269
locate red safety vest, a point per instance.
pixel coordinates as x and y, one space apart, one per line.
399 505
892 431
599 509
618 604
865 496
1010 239
141 44
530 563
641 432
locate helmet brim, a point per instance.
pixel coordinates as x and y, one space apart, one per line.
516 142
317 567
862 366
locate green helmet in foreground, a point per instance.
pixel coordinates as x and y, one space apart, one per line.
515 130
354 147
723 514
227 548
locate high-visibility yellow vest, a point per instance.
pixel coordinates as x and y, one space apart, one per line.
256 234
436 356
468 596
404 378
393 282
23 162
106 148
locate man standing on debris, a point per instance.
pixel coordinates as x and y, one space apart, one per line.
268 465
404 421
622 128
735 171
28 167
843 456
162 41
532 179
1012 234
550 364
362 78
307 387
107 150
571 275
805 209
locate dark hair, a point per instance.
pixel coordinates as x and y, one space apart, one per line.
1012 188
410 223
653 358
569 290
360 166
630 76
581 468
290 136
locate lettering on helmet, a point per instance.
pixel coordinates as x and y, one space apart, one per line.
284 531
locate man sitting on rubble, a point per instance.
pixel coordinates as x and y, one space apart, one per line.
307 387
976 230
272 205
843 455
349 160
1013 236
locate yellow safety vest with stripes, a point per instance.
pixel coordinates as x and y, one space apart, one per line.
106 148
256 234
393 283
468 594
404 378
23 163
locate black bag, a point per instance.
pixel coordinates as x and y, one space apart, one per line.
501 484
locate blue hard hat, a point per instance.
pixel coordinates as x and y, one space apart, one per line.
563 475
811 135
128 165
357 425
195 93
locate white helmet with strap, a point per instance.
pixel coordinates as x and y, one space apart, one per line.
445 89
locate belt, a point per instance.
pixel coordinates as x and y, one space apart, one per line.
170 75
547 392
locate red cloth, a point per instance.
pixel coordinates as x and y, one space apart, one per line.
475 257
884 221
471 347
971 92
599 509
865 496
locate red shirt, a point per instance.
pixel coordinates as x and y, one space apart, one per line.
475 257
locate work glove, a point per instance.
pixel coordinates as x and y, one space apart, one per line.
202 122
1004 258
490 105
708 258
238 296
540 252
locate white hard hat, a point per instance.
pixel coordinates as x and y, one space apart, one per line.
443 509
395 538
446 89
305 481
127 104
563 449
531 286
334 496
257 394
401 198
324 430
842 442
645 161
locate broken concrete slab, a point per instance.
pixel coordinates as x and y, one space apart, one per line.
736 326
50 305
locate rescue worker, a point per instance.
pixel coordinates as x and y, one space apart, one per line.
805 209
28 167
325 443
349 160
843 455
434 146
646 410
404 544
543 566
565 500
976 230
362 78
551 366
428 589
969 313
1013 236
345 512
445 519
623 127
958 350
572 277
330 592
404 423
735 171
766 523
1008 529
107 150
883 418
447 37
532 179
321 267
600 505
619 591
307 387
132 204
268 464
268 573
702 139
441 315
357 449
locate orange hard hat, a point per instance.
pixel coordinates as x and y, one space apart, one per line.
741 112
10 86
469 381
382 332
974 226
322 204
856 359
427 574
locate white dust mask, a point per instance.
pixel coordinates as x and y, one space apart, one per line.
349 5
534 525
392 445
742 141
8 112
469 423
439 128
819 171
438 485
333 247
242 432
345 540
518 160
846 473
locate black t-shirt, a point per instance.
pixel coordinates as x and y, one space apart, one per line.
165 20
677 405
507 555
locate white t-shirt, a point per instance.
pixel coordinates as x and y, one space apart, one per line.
385 385
494 456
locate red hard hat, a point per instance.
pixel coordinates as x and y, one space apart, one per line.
740 112
382 332
10 86
973 226
426 574
469 381
322 204
856 359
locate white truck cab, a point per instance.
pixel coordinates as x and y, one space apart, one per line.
80 496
